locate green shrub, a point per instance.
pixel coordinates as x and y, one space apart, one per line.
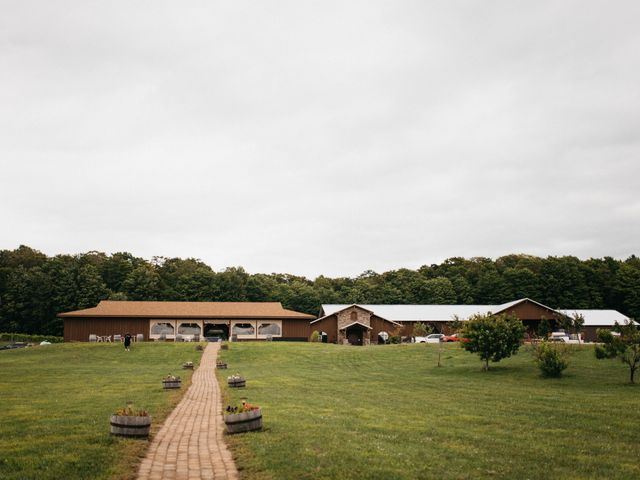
25 337
552 358
315 336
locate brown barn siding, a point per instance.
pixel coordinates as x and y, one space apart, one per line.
295 329
530 311
589 333
329 325
380 325
79 329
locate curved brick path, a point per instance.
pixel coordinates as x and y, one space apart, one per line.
190 445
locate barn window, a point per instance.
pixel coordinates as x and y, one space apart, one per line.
269 329
160 328
189 329
243 329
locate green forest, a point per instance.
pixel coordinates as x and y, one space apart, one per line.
34 287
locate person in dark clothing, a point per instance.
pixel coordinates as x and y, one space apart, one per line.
127 342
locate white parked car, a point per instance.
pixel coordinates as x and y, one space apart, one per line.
433 338
561 337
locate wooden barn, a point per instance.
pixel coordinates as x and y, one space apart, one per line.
354 324
186 321
376 322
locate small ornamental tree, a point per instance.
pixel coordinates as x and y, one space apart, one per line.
421 330
552 358
544 328
573 324
493 337
577 324
455 325
625 346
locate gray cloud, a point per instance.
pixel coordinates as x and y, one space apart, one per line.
320 137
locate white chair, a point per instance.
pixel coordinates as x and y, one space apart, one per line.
93 337
117 338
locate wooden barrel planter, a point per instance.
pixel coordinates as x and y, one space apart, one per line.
236 382
169 384
130 426
187 366
199 348
244 422
224 346
221 365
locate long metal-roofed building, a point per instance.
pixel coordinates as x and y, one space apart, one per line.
362 324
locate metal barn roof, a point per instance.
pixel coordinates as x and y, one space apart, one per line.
599 318
416 313
445 313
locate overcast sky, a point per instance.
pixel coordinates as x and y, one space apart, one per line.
321 137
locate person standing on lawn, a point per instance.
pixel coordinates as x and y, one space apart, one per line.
127 342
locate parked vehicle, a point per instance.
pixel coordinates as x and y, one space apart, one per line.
433 338
561 337
454 338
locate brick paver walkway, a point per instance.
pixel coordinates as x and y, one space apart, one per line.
190 445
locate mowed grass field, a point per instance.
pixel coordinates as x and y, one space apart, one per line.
55 403
388 412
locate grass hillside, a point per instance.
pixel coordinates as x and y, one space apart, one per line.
336 412
56 401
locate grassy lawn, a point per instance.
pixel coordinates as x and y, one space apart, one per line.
389 412
56 401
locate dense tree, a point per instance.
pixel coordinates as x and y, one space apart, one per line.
491 288
188 279
564 283
627 285
34 288
521 283
196 286
27 306
142 283
231 285
300 296
464 292
116 268
437 290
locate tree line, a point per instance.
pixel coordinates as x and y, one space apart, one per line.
34 287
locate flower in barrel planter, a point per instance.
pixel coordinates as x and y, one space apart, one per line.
245 418
199 348
187 365
236 381
130 422
171 381
220 364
